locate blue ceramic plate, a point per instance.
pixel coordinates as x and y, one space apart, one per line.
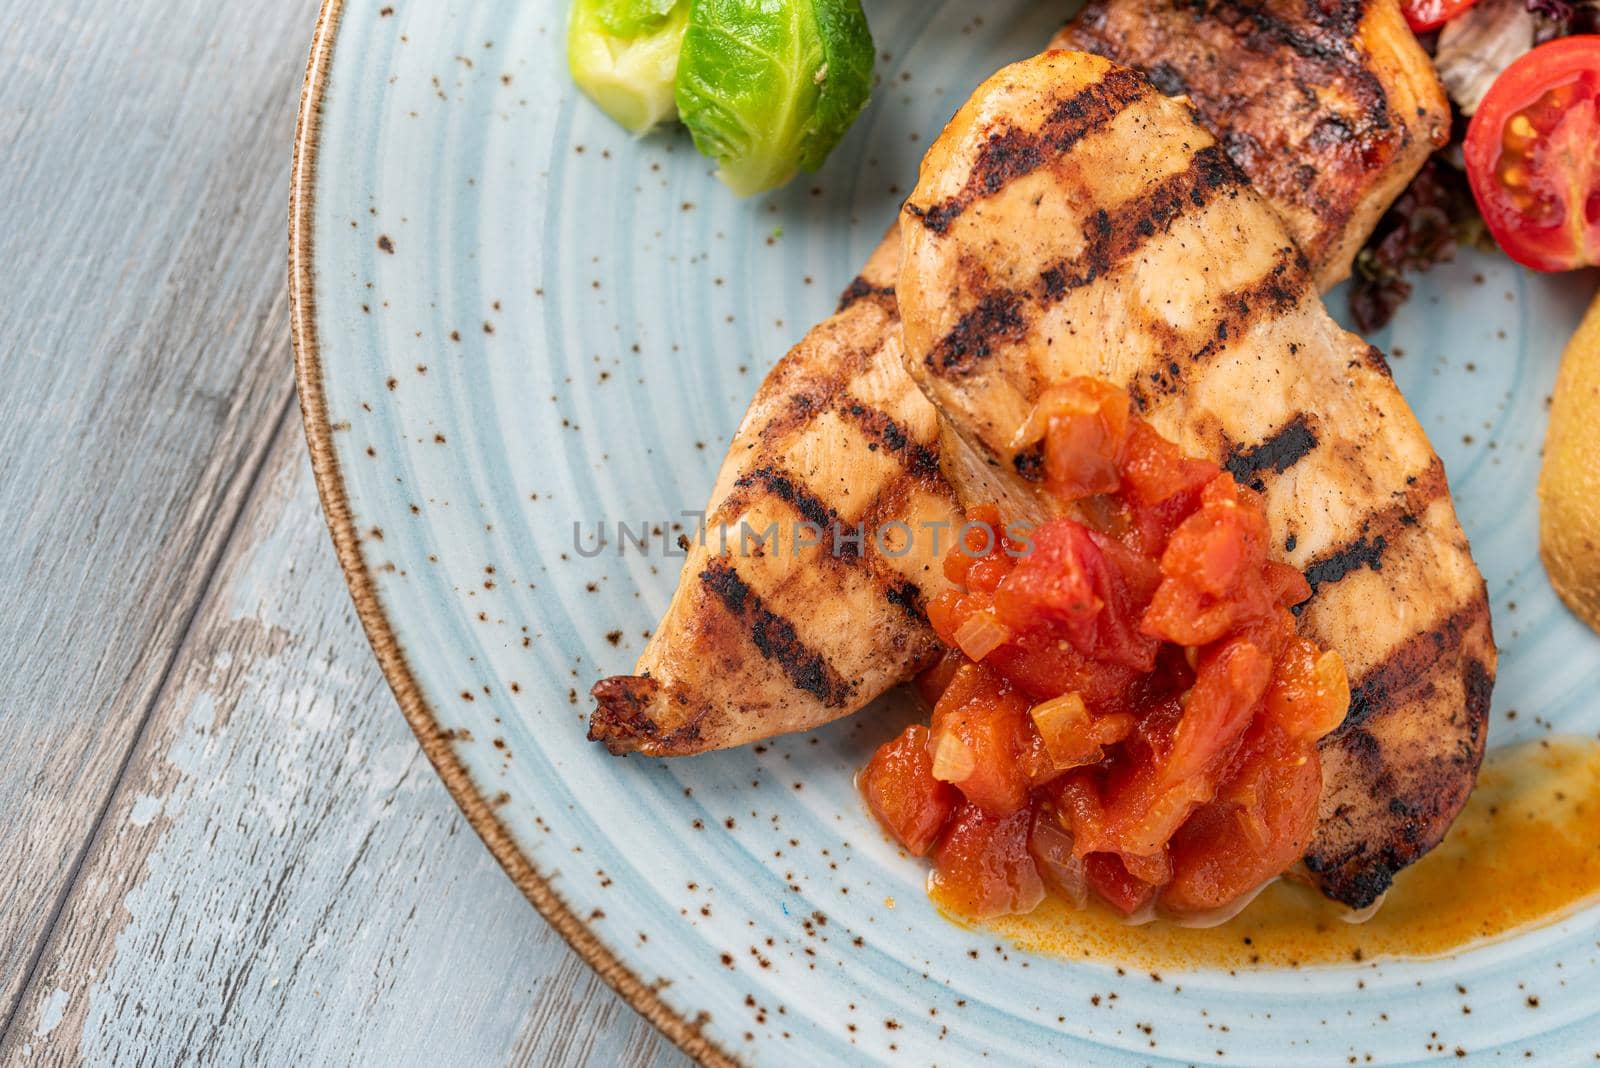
512 318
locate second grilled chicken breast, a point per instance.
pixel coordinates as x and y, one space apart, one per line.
838 456
1329 108
1136 251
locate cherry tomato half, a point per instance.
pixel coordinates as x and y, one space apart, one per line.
1533 156
1431 14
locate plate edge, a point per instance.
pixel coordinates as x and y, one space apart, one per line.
686 1034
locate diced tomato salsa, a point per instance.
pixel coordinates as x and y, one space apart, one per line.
1125 709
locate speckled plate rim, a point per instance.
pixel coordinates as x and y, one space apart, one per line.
535 886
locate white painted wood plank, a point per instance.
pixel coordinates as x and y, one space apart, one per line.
142 343
282 879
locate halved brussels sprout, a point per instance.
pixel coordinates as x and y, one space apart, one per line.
770 86
624 54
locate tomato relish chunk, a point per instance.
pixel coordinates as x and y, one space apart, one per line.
1125 710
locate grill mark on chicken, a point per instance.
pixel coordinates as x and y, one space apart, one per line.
1328 43
774 636
783 486
998 317
905 596
1117 234
1285 447
804 402
890 509
1167 78
1113 237
1331 45
1273 294
809 395
861 289
918 460
1010 154
1363 552
1388 682
811 508
846 544
908 597
887 511
1435 785
1378 529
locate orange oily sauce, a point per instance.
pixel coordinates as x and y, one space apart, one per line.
1524 852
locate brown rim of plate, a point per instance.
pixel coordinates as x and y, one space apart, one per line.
688 1035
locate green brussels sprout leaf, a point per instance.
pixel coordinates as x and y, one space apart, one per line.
770 86
628 19
624 55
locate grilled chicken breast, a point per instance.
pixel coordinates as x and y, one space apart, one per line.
1330 108
770 635
751 648
716 675
1135 250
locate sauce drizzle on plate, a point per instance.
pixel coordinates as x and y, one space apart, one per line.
1525 852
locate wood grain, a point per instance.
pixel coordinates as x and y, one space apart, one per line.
281 878
222 843
142 338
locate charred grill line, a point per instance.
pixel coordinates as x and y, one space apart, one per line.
1116 235
860 289
1409 664
905 596
774 636
1274 293
1329 43
812 509
1345 559
887 507
997 317
1378 528
919 460
1113 237
1167 78
1285 448
1010 154
809 395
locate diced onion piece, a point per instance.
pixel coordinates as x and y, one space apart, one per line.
1476 47
1034 426
1064 725
1153 868
952 760
1333 685
1110 729
1251 819
981 635
1063 873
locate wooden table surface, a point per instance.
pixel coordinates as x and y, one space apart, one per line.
221 843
